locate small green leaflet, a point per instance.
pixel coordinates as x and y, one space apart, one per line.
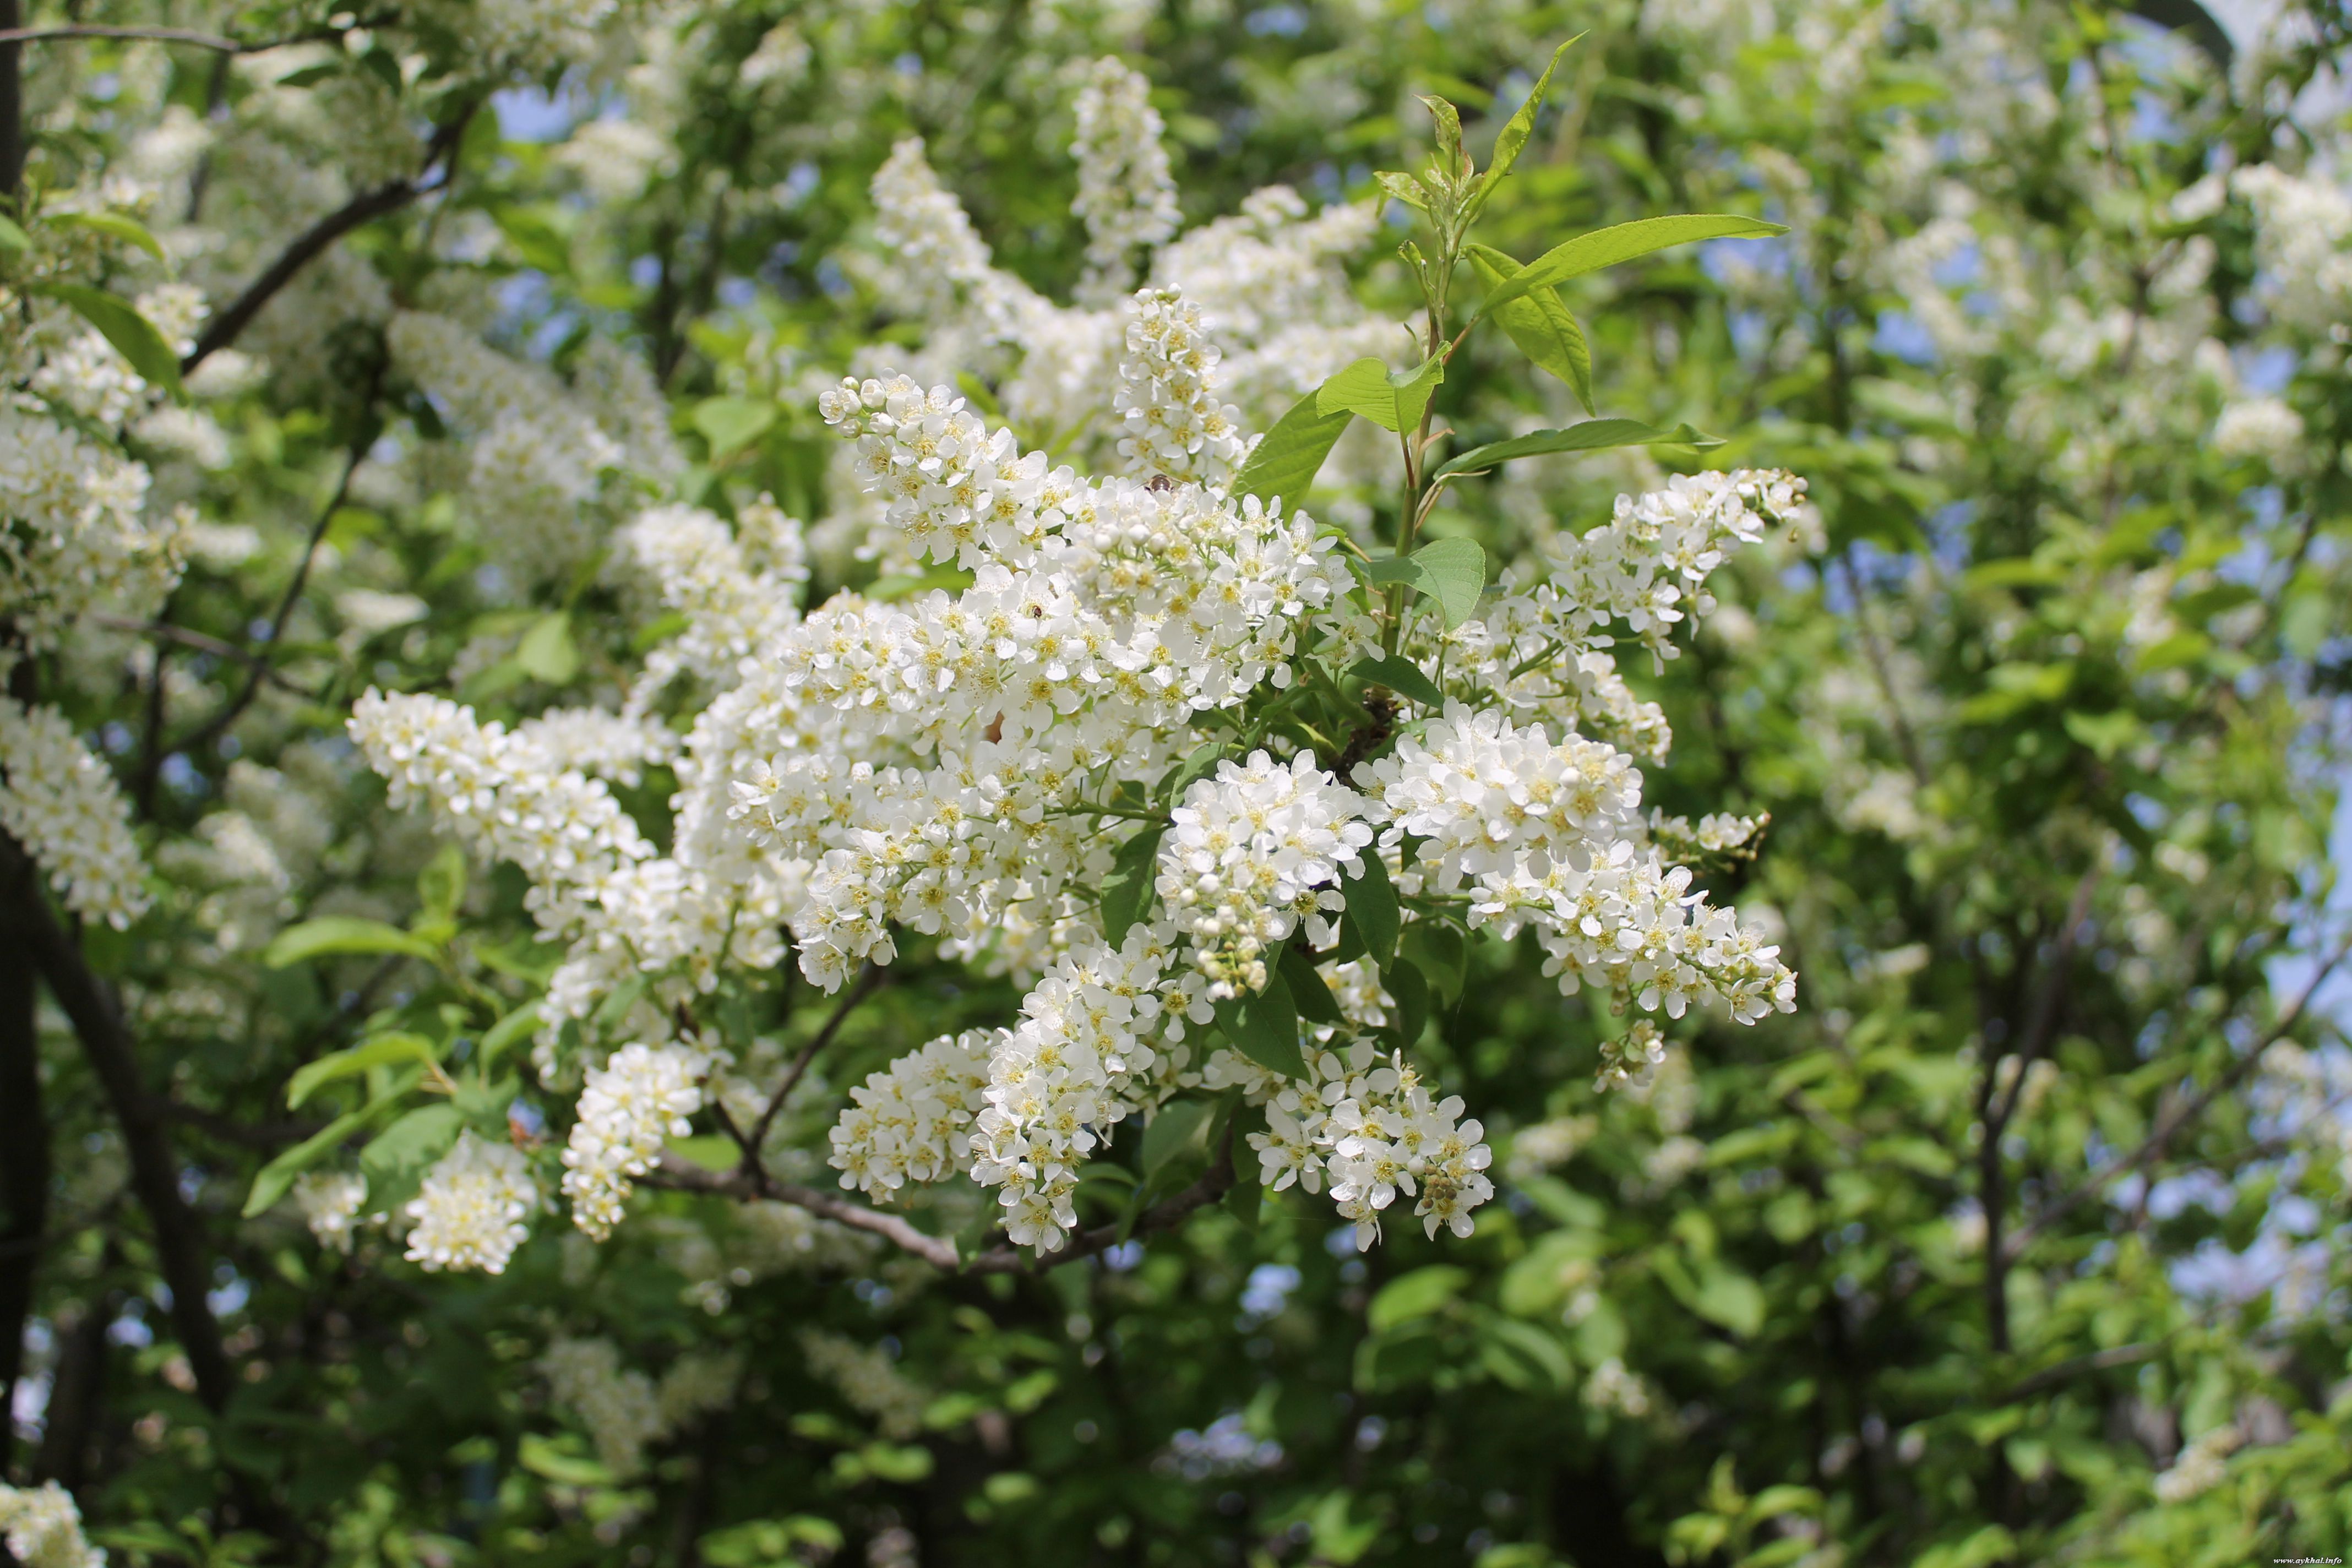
1308 989
1284 462
1592 435
1453 572
382 1052
129 230
1175 1128
516 1025
337 934
1372 909
1401 676
270 1183
1389 399
133 335
730 423
1127 891
1623 242
547 652
1515 131
1264 1028
1542 328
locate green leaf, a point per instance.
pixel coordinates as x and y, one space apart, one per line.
1622 242
134 337
618 1002
1523 1356
1283 463
441 886
1411 989
1127 891
271 1182
1176 1128
1406 188
1517 129
416 1140
1400 675
13 237
1192 769
332 935
115 225
954 579
1438 951
547 652
311 75
382 1052
1372 908
1454 572
1414 1295
730 423
1389 399
1308 988
1541 325
1264 1028
542 1457
1592 435
500 1037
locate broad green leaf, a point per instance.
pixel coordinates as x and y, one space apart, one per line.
134 337
730 423
1372 908
1264 1028
416 1140
547 651
501 1036
1515 131
1401 676
1411 989
1127 891
1389 399
1541 325
1523 1356
115 225
1176 1127
311 75
1414 1295
1438 951
1592 435
1199 766
332 935
11 237
382 1052
1454 572
542 1457
1622 242
1286 460
271 1182
1308 989
441 886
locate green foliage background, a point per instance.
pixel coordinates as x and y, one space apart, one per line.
1877 1314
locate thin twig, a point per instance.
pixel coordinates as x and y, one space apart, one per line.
2045 1014
367 206
157 35
164 631
868 981
684 1175
2169 1126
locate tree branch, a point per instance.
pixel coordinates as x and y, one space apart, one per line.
23 1150
164 631
158 34
869 981
368 206
2170 1126
182 1255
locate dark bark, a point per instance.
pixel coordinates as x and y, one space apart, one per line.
23 1157
77 1389
182 1255
11 105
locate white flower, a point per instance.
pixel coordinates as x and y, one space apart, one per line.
63 805
44 1528
2200 1467
329 1202
2261 427
1126 194
471 1211
630 1107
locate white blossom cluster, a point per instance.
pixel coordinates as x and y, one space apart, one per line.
329 1202
2200 1466
1127 196
630 1108
911 1121
471 1210
1552 836
43 1528
868 1381
59 802
1250 855
1370 1130
2303 228
1166 396
626 1411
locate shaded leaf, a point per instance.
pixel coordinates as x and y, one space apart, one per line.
1284 462
1401 676
382 1052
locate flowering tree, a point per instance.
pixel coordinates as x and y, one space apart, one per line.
733 830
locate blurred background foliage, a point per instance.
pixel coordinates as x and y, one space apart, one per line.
2020 1241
